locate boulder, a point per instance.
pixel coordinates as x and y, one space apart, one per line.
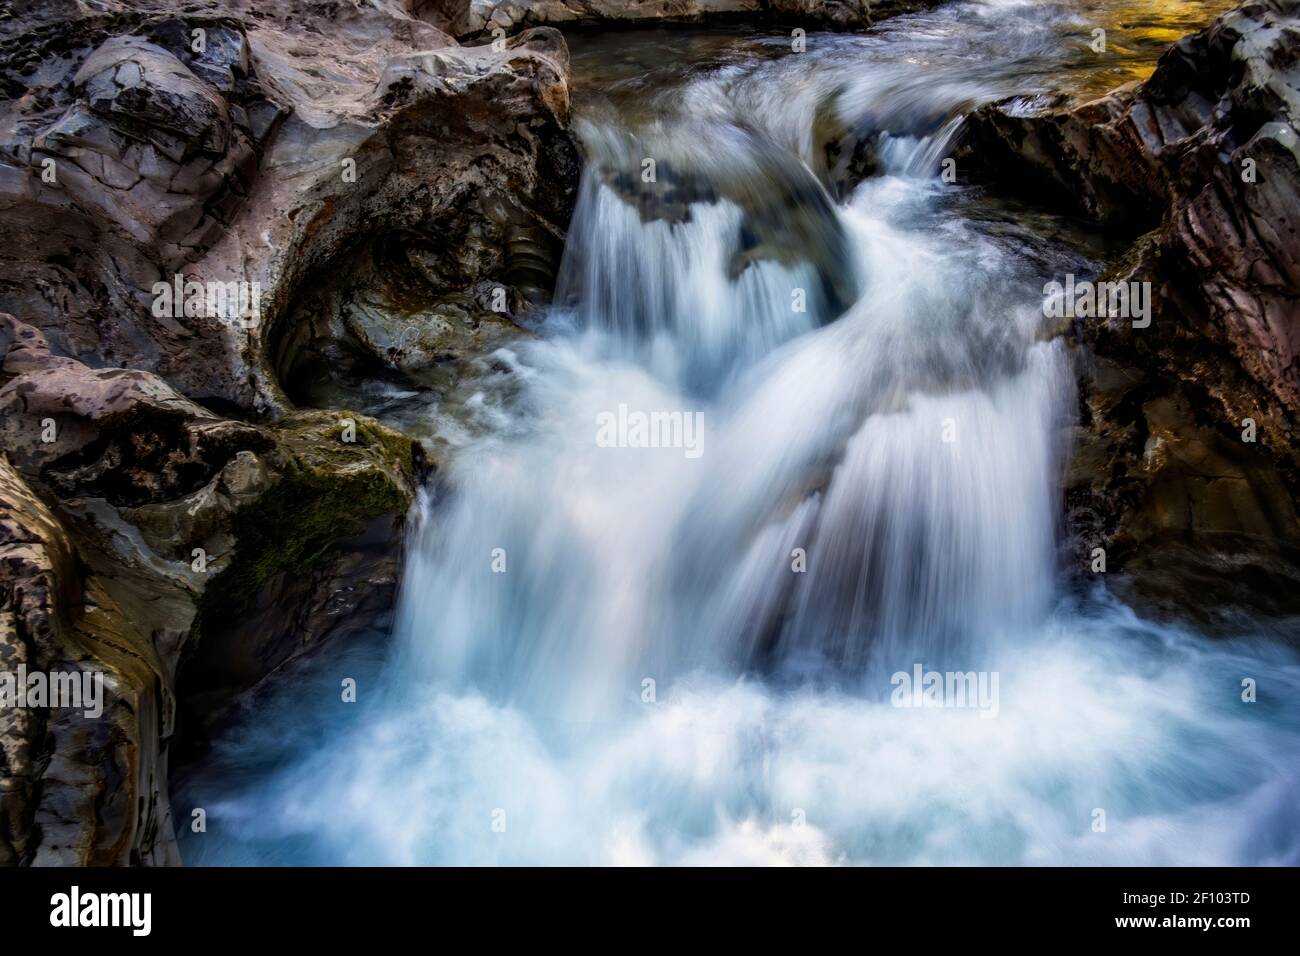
255 151
140 531
1189 451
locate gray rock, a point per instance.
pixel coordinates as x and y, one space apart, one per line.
261 157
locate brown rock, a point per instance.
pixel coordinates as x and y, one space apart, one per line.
139 528
1190 453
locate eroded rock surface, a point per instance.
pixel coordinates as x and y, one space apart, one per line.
1189 460
137 527
240 144
180 184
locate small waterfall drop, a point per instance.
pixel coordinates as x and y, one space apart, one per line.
687 654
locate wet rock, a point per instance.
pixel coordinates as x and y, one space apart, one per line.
1191 527
787 214
384 310
139 530
295 611
177 185
1192 425
75 789
313 552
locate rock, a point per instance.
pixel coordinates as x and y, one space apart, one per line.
139 530
75 790
1192 528
787 215
198 201
1192 425
146 89
313 551
296 610
387 308
262 149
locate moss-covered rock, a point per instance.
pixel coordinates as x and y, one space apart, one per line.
334 473
140 530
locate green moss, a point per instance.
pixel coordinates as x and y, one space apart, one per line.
329 490
1127 264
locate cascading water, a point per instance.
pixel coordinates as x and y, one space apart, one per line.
686 654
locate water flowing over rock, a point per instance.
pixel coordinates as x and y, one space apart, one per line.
170 519
621 643
1189 461
223 215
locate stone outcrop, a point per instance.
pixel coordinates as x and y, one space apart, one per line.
240 145
1189 457
172 532
198 200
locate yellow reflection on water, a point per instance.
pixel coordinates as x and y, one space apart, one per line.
1137 33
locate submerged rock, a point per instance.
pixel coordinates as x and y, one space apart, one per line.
1189 455
786 215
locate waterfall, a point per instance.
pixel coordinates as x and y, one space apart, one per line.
610 652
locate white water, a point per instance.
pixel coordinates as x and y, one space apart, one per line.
518 698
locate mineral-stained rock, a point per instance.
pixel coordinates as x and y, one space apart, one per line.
136 527
1190 451
75 789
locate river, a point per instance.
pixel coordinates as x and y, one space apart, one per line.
705 653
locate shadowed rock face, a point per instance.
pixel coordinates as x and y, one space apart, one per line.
167 518
1203 159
